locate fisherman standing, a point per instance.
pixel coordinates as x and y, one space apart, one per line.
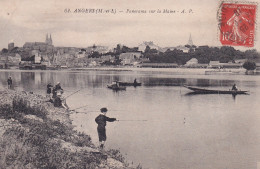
101 121
9 82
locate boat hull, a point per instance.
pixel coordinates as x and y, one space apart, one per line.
209 91
113 87
129 84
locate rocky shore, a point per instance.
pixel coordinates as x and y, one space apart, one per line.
35 134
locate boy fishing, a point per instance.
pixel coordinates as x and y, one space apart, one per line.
101 121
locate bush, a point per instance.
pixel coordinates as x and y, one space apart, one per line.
249 65
22 105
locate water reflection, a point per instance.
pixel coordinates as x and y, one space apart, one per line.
182 130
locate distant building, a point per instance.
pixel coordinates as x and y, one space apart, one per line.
190 42
3 61
218 65
99 49
191 62
129 57
142 46
81 54
37 56
105 58
241 61
180 47
214 64
159 65
46 46
48 40
10 46
14 60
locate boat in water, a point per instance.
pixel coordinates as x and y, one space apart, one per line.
116 86
129 84
197 90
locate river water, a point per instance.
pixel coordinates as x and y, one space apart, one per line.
162 126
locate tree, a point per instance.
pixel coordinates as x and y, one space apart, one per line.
249 65
147 49
94 55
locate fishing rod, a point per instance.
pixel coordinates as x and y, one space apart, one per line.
72 94
79 107
131 120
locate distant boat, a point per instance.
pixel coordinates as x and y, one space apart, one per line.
210 91
116 86
129 84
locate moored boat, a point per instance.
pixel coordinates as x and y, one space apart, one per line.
197 90
116 86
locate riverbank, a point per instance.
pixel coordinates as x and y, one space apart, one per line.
35 134
192 71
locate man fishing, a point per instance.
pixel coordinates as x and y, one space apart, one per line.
59 101
101 121
56 89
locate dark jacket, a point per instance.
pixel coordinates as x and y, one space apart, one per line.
101 120
57 102
49 88
9 81
55 89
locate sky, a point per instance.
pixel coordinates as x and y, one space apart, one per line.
30 21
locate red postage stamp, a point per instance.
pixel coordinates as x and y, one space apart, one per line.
237 24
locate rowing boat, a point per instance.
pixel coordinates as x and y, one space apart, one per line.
129 84
115 87
211 91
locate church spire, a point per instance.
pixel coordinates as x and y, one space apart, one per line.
47 39
50 40
190 41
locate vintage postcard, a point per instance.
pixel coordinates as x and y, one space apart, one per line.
132 84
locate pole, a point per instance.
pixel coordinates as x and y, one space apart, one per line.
131 120
72 94
79 108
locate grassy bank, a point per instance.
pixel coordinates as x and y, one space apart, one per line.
34 134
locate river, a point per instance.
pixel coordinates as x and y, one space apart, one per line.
162 126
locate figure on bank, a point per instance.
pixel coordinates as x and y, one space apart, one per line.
49 87
57 88
101 129
9 82
59 101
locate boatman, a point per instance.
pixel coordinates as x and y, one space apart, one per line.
101 120
234 88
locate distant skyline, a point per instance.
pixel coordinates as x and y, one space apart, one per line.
31 20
